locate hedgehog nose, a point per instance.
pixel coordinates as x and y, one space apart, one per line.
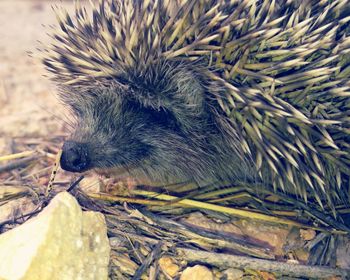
75 157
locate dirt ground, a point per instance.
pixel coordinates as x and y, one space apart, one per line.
28 106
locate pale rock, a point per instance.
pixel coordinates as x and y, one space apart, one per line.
233 274
197 272
168 266
343 252
91 184
123 263
62 243
307 234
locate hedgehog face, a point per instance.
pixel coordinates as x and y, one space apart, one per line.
161 132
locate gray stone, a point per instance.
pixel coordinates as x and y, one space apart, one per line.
62 242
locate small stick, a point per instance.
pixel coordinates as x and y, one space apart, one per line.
53 173
16 156
113 198
227 210
14 220
139 238
76 183
38 173
208 237
155 254
17 164
240 262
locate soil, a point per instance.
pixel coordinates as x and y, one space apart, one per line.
28 105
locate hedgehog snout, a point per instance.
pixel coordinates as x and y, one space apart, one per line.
75 157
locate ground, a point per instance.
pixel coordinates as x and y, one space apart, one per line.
27 99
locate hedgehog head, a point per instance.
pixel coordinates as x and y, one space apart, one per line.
161 127
139 104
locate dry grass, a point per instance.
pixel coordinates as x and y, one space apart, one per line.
145 225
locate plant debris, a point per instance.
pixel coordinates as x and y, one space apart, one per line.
148 223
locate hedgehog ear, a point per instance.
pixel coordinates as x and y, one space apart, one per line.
188 90
170 86
185 98
73 100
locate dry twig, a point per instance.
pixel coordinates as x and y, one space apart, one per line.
294 270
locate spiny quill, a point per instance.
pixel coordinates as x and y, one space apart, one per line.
279 71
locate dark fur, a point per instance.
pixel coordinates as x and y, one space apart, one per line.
162 126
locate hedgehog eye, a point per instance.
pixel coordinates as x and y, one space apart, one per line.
161 116
151 95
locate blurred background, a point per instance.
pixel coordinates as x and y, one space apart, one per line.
28 105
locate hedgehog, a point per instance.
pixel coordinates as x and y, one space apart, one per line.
209 91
